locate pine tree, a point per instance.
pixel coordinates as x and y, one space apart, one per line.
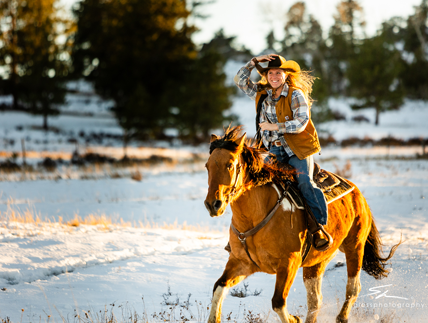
350 20
36 60
225 45
202 97
139 54
305 44
270 40
9 50
131 50
373 75
296 30
416 42
346 32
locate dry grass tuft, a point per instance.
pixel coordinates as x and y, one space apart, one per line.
26 216
101 221
30 216
345 171
137 176
93 219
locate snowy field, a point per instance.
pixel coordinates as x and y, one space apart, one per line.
157 252
53 269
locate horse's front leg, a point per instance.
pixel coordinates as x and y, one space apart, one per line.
235 272
284 279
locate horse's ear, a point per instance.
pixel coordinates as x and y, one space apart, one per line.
240 141
213 138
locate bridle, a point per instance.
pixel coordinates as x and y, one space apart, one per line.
242 236
234 190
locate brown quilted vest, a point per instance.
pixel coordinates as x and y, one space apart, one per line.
302 144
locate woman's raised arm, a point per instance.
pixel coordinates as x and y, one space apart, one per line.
242 78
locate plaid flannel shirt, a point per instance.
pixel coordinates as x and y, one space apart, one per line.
299 108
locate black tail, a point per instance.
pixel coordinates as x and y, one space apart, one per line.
373 263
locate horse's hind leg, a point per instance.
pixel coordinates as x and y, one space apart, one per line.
312 277
353 246
235 272
353 288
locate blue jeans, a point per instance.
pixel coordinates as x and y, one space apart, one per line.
305 169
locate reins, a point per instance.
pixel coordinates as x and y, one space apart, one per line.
235 190
257 136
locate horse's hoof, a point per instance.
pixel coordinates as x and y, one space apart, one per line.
341 320
298 319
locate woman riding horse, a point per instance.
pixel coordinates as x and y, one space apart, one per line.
284 123
267 233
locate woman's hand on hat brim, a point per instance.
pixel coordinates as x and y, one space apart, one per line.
263 58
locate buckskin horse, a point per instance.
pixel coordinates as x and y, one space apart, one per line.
238 175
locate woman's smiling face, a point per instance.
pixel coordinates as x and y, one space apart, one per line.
276 77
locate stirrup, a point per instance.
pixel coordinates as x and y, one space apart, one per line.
326 245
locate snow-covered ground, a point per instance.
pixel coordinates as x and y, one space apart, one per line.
408 122
158 243
53 269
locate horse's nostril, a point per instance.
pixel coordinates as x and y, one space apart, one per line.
207 205
217 205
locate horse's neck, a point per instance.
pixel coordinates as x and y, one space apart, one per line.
252 207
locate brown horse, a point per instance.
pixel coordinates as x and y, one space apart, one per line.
237 175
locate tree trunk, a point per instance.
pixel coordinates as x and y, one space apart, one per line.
14 64
45 122
125 144
416 22
351 23
377 116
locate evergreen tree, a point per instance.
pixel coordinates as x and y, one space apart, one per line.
305 44
36 60
350 20
346 32
226 47
296 30
9 50
416 42
270 40
410 36
373 75
202 96
139 54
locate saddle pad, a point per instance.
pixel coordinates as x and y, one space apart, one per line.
339 190
326 180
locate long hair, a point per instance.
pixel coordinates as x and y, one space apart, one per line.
302 80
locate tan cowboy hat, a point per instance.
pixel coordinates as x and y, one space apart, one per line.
279 62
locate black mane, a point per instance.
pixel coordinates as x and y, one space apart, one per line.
227 141
258 172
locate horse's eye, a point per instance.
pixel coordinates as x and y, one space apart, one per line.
230 166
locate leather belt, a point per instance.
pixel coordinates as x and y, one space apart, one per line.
277 143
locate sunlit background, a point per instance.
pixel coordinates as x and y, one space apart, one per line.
106 113
251 20
164 68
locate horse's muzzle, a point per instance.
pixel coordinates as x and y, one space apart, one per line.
214 207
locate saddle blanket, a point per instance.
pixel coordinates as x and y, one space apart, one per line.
333 186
